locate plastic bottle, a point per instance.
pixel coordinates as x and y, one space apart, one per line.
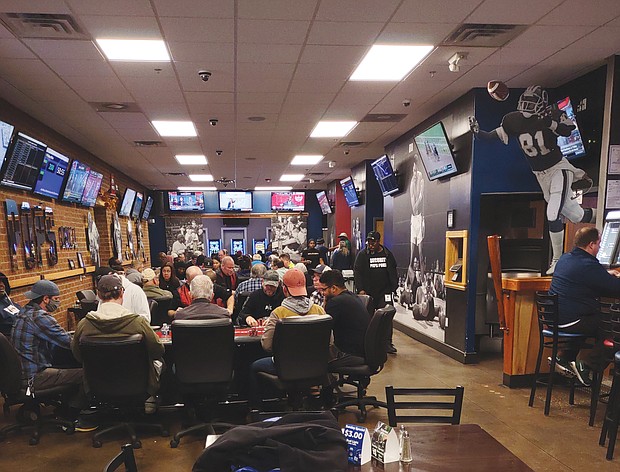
165 330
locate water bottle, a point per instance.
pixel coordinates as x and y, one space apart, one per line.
165 330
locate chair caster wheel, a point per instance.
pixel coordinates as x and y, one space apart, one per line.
174 443
361 417
137 445
97 444
33 441
70 430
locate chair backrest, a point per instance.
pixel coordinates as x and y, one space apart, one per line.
126 458
367 301
377 337
547 310
152 308
204 350
115 368
86 295
242 297
159 313
10 369
301 347
451 399
610 327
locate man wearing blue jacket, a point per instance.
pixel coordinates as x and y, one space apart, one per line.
579 281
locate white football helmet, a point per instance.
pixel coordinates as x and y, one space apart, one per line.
533 101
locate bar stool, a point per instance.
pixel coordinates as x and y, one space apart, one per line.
550 337
612 413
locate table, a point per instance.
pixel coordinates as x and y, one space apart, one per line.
242 335
440 448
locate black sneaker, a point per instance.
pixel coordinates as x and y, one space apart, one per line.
583 372
391 349
562 367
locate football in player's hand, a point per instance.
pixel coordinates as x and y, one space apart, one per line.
498 90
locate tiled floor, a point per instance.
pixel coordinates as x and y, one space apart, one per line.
561 442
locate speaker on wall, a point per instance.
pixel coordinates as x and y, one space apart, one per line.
159 199
236 222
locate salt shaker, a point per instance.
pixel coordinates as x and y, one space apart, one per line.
405 448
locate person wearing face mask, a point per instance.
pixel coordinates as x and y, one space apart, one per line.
8 308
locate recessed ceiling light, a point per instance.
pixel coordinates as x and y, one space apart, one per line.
191 159
332 129
175 128
200 177
115 106
389 62
291 177
307 160
194 189
144 50
274 189
256 118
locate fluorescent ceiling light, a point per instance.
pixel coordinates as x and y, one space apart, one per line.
195 189
390 63
274 189
134 49
309 160
291 177
191 159
175 128
201 177
332 129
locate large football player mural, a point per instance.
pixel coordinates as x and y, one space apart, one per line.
537 126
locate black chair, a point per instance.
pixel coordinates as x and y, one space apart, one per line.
126 458
301 354
241 299
116 371
204 352
29 413
152 310
376 343
551 337
88 300
612 413
159 313
367 301
453 401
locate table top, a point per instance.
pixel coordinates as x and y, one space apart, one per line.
465 447
242 335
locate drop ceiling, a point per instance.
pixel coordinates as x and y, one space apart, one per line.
285 60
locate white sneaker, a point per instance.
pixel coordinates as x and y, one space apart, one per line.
551 268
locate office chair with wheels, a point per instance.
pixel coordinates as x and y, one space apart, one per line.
152 310
376 343
116 371
241 299
29 413
612 413
204 352
417 399
126 458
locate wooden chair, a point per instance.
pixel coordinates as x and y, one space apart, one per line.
417 399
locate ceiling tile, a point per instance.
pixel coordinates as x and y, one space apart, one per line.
415 33
272 31
125 27
524 12
277 9
221 80
201 52
341 55
14 49
309 85
198 30
428 11
550 36
268 53
111 7
30 74
259 98
80 68
143 70
344 33
578 12
267 86
195 8
64 49
156 108
357 10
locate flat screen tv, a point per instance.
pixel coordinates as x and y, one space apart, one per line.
235 201
147 208
52 174
384 173
23 161
137 205
435 152
91 189
186 201
6 132
76 182
571 146
350 194
127 203
288 201
324 203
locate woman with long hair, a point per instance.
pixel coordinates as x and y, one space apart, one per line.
341 258
168 279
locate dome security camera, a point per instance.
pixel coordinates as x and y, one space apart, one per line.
213 121
406 102
219 152
346 152
205 75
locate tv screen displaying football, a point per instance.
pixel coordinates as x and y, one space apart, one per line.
435 152
52 174
384 173
186 201
288 201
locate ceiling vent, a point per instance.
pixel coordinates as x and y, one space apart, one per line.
146 143
383 118
44 26
115 107
483 35
176 174
316 174
352 144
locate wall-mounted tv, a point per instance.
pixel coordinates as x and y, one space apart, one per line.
137 205
52 174
384 173
6 132
350 194
91 189
76 182
147 208
23 161
235 201
324 203
288 201
435 152
127 203
571 146
186 201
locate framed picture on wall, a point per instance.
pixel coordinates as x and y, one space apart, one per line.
80 260
71 264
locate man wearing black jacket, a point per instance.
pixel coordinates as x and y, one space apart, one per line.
375 273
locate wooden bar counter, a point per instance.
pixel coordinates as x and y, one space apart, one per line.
521 338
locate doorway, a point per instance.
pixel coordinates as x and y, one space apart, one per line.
230 234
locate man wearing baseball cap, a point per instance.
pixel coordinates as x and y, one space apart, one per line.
263 301
34 335
150 285
375 273
317 296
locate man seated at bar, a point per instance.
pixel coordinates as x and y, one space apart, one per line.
263 301
579 280
111 320
201 308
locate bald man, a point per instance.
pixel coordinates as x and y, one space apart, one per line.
184 295
226 276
